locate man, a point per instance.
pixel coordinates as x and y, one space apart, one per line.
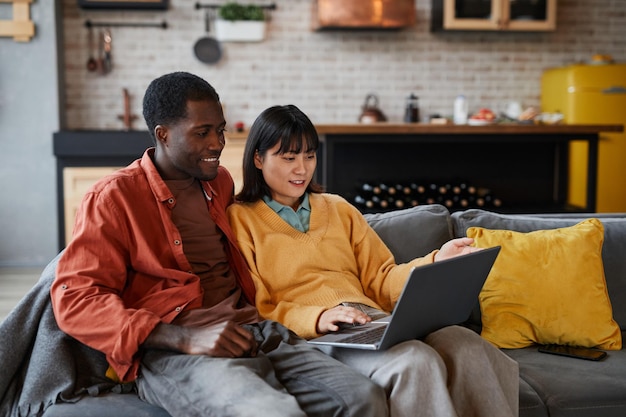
153 278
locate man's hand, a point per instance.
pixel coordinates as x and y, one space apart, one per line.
328 319
455 247
223 340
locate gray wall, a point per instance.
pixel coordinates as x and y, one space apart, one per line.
29 115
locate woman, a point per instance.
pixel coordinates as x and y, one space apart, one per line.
317 264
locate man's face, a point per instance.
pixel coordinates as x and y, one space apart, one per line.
192 146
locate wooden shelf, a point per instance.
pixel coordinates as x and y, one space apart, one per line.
21 28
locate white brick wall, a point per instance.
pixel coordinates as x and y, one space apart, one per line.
328 74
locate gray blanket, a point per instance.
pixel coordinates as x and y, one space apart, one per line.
39 364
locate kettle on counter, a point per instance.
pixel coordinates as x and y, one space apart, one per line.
371 113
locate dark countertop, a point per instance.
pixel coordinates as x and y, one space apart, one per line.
424 128
111 143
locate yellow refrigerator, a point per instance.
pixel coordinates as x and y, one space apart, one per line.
592 94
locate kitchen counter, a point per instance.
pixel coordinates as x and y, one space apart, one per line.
424 128
525 165
84 156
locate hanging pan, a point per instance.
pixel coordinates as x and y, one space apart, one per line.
208 49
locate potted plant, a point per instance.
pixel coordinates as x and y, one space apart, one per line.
240 23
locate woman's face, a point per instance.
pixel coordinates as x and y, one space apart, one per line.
288 175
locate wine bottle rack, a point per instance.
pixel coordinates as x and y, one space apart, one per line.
526 167
371 196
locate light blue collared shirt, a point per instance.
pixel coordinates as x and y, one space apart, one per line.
299 219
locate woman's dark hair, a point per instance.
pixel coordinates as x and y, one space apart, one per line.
287 125
165 100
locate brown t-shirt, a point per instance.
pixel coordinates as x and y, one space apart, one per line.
203 244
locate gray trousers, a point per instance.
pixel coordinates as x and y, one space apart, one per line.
452 373
288 377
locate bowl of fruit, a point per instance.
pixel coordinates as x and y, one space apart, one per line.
482 117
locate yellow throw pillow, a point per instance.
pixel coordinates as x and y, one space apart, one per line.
547 287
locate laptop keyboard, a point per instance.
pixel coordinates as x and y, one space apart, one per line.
369 336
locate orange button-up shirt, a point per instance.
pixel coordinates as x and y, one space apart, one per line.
124 270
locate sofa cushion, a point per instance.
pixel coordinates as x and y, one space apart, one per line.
547 287
530 404
613 249
413 232
107 405
575 387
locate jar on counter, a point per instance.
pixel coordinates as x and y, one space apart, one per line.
460 110
412 111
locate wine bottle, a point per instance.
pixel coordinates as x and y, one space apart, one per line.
412 202
368 188
418 192
360 201
482 191
445 189
404 189
492 201
418 188
379 202
399 203
386 189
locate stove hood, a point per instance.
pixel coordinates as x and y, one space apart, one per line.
363 14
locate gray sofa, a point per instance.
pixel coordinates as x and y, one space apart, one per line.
549 385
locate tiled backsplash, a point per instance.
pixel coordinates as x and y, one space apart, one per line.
328 74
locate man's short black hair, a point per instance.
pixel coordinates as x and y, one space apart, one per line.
166 98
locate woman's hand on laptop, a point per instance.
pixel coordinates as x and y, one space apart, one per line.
455 247
330 320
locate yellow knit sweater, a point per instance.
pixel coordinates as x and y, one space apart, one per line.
299 275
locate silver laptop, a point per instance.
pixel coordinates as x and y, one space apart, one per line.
434 296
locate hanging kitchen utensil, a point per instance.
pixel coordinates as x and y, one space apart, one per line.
208 49
107 49
92 64
371 113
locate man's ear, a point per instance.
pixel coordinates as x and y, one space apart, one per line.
160 133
